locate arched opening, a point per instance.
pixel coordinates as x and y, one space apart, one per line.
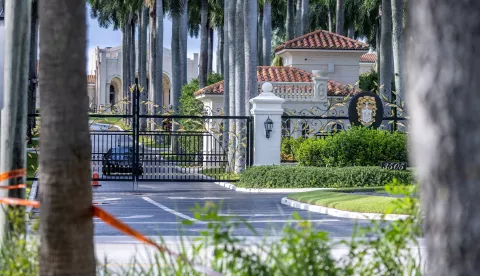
112 95
115 92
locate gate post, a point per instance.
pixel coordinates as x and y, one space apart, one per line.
267 106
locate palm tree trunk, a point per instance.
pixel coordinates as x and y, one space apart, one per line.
267 32
204 44
183 44
442 60
221 46
298 19
290 26
386 50
397 20
66 224
32 71
240 86
158 93
226 77
176 68
231 80
210 51
142 65
151 63
340 25
351 32
378 38
250 15
305 17
133 57
260 39
330 19
125 67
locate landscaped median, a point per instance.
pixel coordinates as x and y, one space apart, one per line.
264 177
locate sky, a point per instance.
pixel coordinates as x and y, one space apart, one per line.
101 37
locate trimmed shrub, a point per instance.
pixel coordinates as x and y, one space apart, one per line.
289 148
315 177
358 146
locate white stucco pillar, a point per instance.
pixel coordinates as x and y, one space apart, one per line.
267 105
320 81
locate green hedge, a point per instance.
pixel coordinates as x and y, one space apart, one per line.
289 148
358 146
325 177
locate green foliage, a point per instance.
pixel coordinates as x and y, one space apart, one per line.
188 104
299 250
358 146
18 255
289 147
369 81
321 177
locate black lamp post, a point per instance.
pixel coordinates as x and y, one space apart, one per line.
268 127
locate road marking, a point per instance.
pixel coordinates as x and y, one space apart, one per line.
137 217
246 221
165 208
198 198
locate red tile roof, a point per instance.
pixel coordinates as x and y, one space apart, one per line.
91 79
369 57
279 74
321 39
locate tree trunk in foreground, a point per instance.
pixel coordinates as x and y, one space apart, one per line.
397 41
66 224
442 86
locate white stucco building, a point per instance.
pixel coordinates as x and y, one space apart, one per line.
106 84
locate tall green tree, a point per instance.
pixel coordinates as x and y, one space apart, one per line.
290 23
250 14
183 43
443 57
142 64
231 17
305 17
298 19
239 84
66 224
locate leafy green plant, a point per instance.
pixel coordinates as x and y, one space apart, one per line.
188 104
321 177
289 147
358 146
369 81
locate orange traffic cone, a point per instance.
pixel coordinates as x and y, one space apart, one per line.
95 176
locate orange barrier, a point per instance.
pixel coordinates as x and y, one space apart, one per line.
13 174
95 176
14 187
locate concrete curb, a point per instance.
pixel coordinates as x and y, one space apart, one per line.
339 213
267 191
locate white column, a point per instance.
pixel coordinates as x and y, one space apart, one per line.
320 85
267 105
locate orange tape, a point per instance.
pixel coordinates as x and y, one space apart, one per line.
13 174
19 186
21 202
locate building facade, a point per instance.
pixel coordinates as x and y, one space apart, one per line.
106 84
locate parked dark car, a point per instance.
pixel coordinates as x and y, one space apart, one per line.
120 160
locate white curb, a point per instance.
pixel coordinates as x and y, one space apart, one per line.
267 191
340 213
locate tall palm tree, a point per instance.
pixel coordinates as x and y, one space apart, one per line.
260 38
239 85
298 20
142 64
158 60
204 44
340 27
250 15
444 133
267 31
32 68
66 226
305 17
183 43
226 76
231 77
290 24
397 21
210 50
386 50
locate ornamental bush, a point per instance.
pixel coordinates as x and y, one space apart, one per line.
321 177
358 146
289 148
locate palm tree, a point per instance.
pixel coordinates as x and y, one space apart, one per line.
397 21
260 38
158 60
183 43
444 133
290 25
226 76
32 71
340 27
66 226
239 85
298 20
210 51
267 31
386 50
142 64
204 44
305 17
250 15
231 77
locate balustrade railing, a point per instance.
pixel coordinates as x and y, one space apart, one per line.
293 91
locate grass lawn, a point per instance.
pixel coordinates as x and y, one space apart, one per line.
220 174
117 121
342 200
34 144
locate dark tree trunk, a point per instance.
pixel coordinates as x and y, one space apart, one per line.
298 19
290 25
305 17
204 44
125 66
340 26
267 32
32 70
330 19
260 39
183 44
66 224
386 51
210 50
443 58
221 46
142 65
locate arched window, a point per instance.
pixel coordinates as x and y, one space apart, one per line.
112 94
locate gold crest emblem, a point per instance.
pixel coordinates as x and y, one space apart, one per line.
366 110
